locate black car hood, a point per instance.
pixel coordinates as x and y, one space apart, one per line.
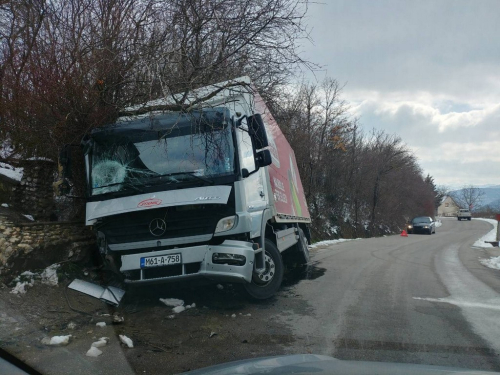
320 364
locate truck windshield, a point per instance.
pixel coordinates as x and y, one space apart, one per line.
163 149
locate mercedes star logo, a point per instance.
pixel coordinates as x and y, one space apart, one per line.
157 227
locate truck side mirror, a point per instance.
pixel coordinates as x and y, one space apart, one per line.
263 158
257 131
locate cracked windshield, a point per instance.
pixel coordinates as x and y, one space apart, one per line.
177 147
272 186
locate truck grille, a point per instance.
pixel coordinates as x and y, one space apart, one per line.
180 222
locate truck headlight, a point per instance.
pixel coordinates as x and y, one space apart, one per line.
226 224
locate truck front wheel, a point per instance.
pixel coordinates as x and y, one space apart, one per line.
265 285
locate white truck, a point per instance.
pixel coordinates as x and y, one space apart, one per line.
212 191
464 214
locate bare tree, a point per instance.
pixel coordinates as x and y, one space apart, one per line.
468 196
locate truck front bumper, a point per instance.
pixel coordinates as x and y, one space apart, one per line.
197 262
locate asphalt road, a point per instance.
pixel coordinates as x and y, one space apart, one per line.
418 299
421 299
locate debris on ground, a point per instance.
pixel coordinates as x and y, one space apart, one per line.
233 316
118 319
56 340
101 324
220 287
109 294
212 334
171 316
127 341
172 302
93 352
71 325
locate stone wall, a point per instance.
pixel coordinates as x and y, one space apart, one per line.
36 245
35 193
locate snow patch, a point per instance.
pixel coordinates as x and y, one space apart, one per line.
101 324
49 275
93 352
56 340
11 172
124 339
20 287
5 205
493 262
178 309
172 302
331 242
103 341
29 217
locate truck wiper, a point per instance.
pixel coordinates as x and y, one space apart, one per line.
193 174
128 184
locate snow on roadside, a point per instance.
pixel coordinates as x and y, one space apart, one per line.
172 302
438 223
493 262
11 172
331 242
48 276
490 236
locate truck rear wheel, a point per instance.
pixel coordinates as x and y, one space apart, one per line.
265 285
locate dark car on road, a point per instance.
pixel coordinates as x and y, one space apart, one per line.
422 224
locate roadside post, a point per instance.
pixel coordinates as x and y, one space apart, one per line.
498 227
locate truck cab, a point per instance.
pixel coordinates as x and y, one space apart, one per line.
213 192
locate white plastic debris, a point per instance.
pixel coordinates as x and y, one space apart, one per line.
172 302
99 344
57 340
178 309
220 287
126 341
101 324
5 205
29 217
212 334
233 316
93 352
49 275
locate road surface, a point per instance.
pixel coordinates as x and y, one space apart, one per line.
421 299
418 299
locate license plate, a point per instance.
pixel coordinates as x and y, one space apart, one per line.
163 260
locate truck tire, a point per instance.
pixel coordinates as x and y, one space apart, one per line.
266 285
469 219
302 248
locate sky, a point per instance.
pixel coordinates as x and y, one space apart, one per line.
427 70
